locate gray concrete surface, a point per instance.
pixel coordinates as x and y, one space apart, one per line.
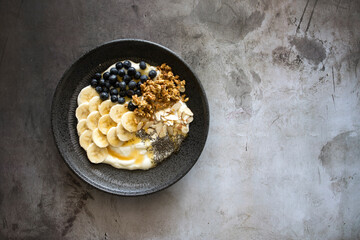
282 160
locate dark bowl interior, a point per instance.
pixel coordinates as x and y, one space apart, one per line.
105 177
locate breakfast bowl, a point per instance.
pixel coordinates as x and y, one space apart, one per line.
103 176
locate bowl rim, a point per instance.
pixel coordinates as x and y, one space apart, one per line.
93 183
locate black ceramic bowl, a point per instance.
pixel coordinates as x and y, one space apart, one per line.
103 176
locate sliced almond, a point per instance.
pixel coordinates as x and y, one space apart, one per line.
158 127
158 115
189 120
170 130
185 117
176 106
149 131
185 129
172 117
169 123
148 124
188 111
139 126
144 120
163 132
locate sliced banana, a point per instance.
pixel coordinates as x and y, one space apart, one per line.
105 107
113 139
81 126
129 121
86 94
105 123
123 134
117 111
82 111
86 139
94 104
92 120
96 154
99 138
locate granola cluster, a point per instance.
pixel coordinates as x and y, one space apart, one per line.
159 93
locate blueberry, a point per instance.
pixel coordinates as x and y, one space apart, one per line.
122 93
137 75
152 74
138 85
119 66
138 92
126 64
131 71
114 91
121 100
98 89
105 89
126 79
121 72
117 84
97 76
129 93
106 75
107 84
104 96
143 78
132 84
112 79
113 71
102 82
122 85
142 65
114 98
131 106
94 82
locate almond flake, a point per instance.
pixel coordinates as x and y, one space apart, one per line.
188 111
170 130
171 118
185 129
176 106
139 126
163 132
184 116
148 124
158 127
169 123
189 120
149 131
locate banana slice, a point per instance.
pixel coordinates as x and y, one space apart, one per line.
92 120
99 138
105 123
94 104
86 94
129 121
96 154
81 126
82 111
113 139
86 139
123 134
117 111
105 106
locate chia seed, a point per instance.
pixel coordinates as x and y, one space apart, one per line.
162 147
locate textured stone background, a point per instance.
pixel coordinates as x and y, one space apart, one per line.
282 160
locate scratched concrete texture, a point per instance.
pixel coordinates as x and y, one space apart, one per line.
282 160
